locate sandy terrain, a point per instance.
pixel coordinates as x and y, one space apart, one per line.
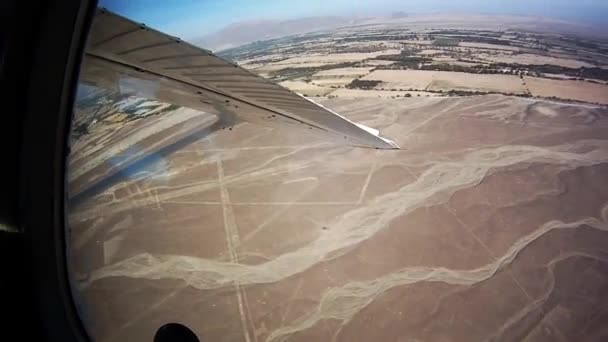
337 58
489 224
440 80
307 89
473 82
430 52
333 81
314 62
264 68
376 62
417 42
488 46
573 90
360 93
415 79
453 61
526 58
262 59
560 76
338 76
342 72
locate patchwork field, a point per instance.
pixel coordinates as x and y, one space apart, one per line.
573 90
452 62
445 81
525 58
359 93
304 88
488 46
335 58
342 72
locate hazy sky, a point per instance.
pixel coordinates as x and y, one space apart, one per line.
194 18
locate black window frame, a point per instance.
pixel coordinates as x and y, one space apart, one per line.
42 45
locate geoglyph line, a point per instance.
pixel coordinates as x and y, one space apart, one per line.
432 187
372 168
257 172
357 225
233 241
536 304
342 303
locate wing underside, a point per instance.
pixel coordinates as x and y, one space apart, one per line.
125 56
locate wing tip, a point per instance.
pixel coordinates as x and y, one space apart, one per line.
391 144
385 143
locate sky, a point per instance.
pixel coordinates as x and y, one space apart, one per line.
196 18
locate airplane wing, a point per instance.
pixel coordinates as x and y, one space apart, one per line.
126 56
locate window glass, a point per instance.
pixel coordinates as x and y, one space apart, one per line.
201 195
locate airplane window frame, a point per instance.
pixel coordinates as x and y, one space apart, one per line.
49 66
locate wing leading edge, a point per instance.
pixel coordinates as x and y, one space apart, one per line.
124 55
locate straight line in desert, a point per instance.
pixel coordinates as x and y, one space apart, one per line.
253 148
429 119
344 302
512 322
487 249
295 203
263 203
372 168
233 240
277 213
260 171
433 186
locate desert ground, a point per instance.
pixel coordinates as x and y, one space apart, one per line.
489 224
